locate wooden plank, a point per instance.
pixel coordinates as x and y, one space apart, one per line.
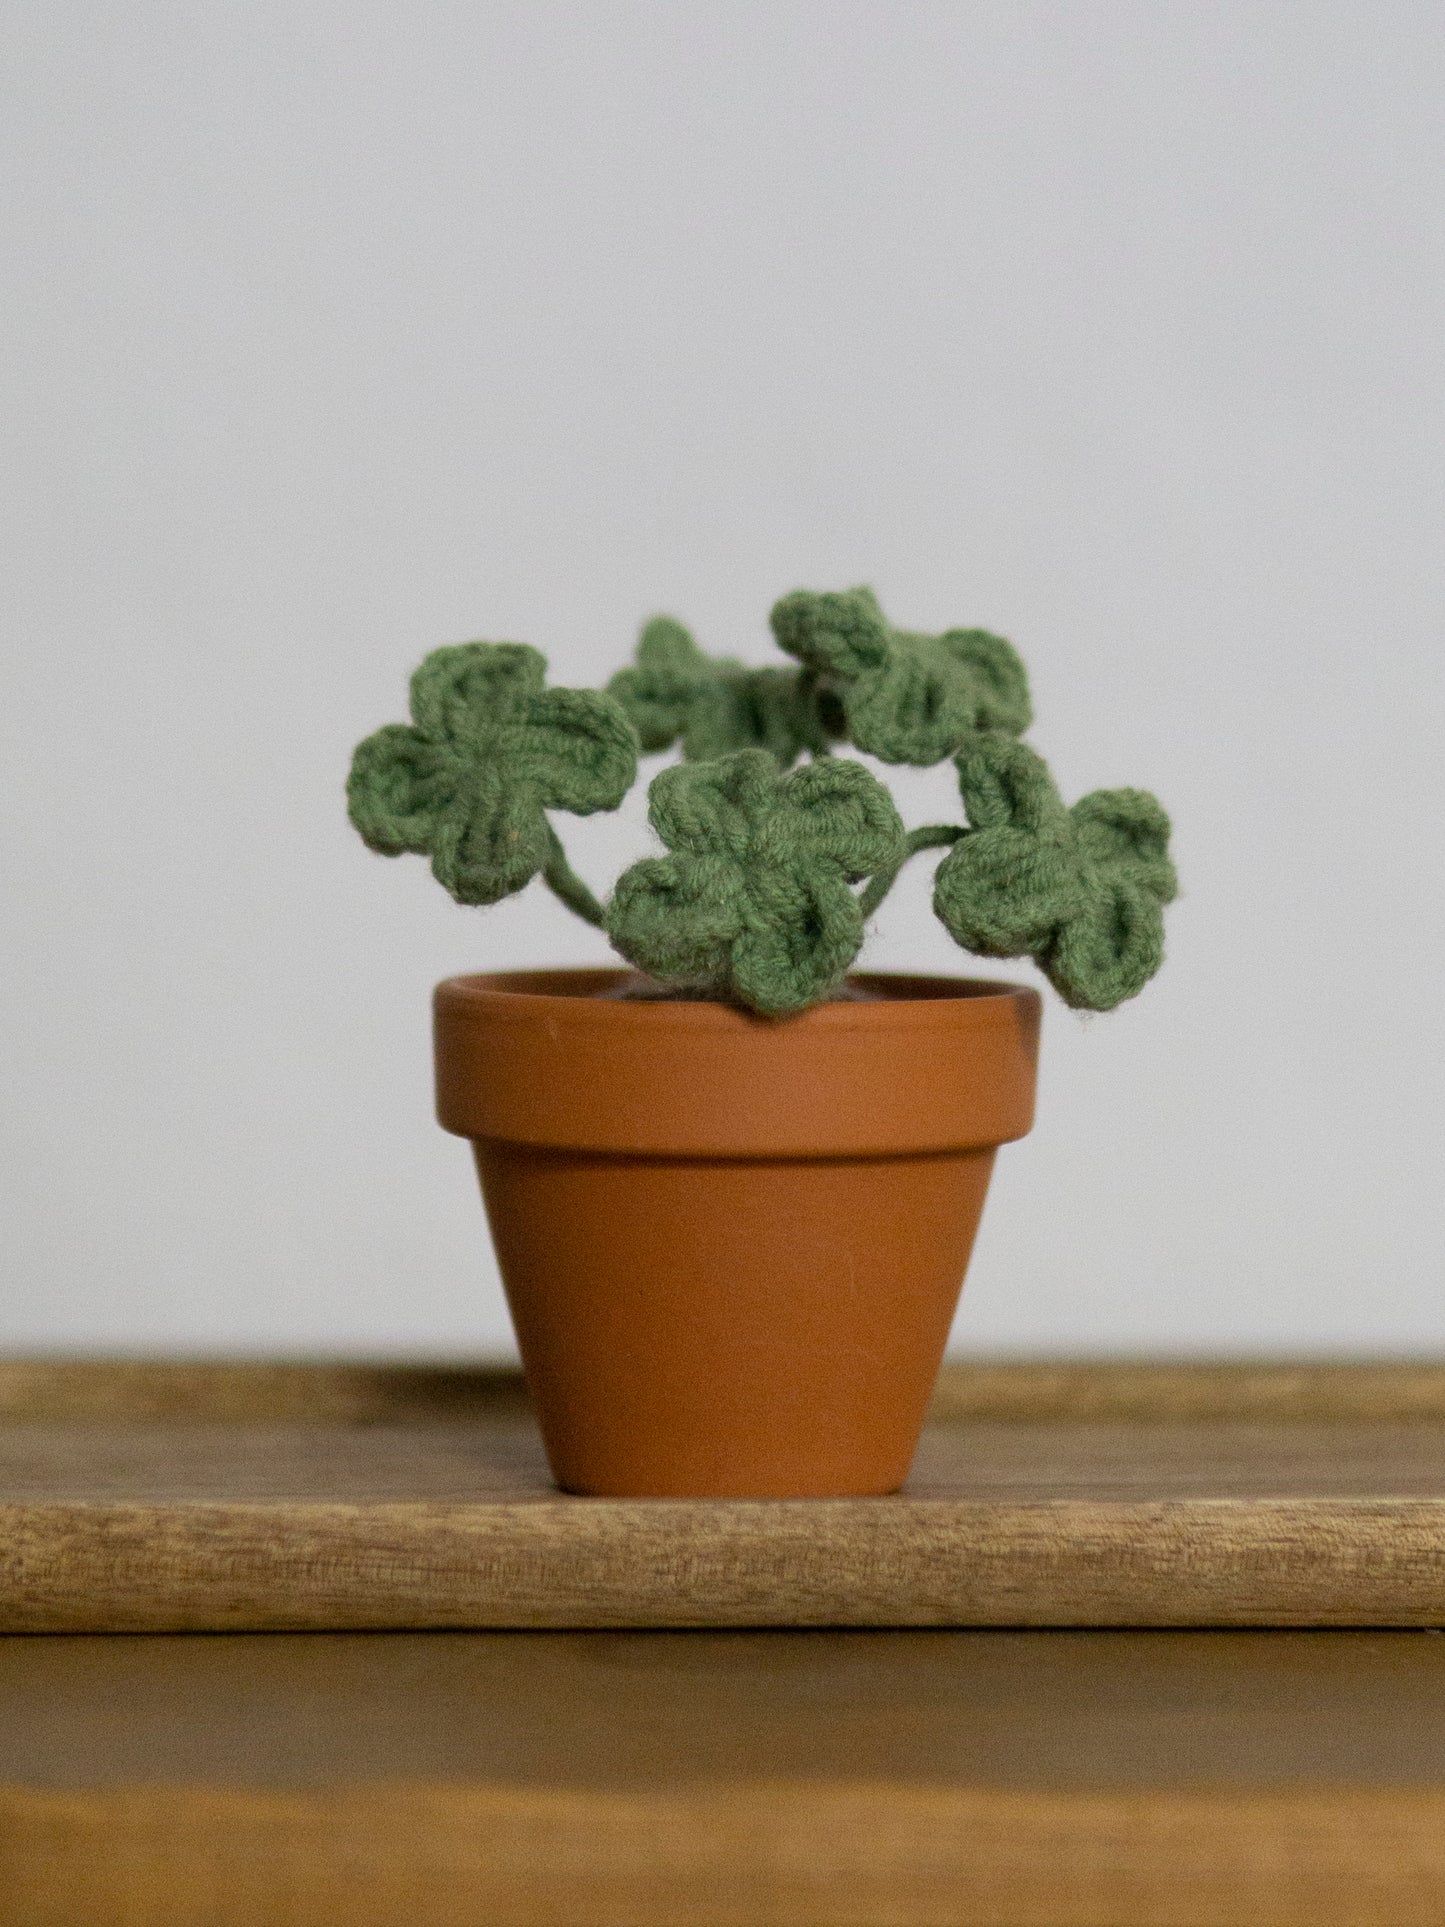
1328 1393
635 1713
166 1392
736 1780
563 1563
138 1391
423 1501
780 1856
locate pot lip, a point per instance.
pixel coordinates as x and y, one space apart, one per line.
904 999
537 1057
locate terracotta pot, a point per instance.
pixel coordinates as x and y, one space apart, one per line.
732 1246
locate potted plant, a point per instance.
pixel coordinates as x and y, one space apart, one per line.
733 1190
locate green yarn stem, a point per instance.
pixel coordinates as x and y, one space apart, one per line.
932 836
565 884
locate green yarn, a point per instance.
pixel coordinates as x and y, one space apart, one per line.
1080 890
753 904
932 836
906 698
715 706
488 752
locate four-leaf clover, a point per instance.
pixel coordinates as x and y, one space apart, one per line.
906 698
715 706
754 902
1080 890
490 749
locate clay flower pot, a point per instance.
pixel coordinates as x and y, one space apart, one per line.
732 1247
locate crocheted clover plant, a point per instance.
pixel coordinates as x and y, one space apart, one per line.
773 868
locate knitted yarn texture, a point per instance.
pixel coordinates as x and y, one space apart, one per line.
757 901
488 752
713 706
753 904
1081 891
906 698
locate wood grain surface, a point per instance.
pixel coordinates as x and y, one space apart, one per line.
167 1498
1003 1779
139 1391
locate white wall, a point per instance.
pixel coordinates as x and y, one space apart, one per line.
338 331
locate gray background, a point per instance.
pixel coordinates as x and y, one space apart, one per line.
334 332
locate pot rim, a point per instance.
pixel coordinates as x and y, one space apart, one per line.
538 1057
900 998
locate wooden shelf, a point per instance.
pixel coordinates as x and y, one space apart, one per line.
183 1498
1000 1779
828 1778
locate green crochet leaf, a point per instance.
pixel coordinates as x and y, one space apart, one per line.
753 904
715 706
1081 890
906 698
672 676
490 749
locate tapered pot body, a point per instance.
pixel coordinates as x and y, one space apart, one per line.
732 1246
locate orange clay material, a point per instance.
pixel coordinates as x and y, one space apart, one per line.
733 1246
